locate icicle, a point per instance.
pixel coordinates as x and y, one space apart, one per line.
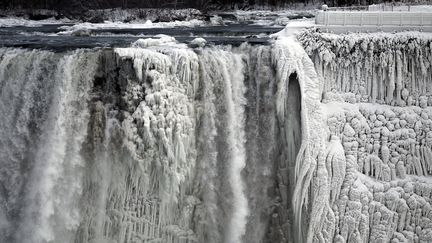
336 165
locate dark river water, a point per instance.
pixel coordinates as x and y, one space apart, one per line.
48 37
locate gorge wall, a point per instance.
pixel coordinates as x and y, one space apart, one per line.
377 98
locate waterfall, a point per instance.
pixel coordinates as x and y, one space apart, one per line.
161 142
233 91
44 102
228 132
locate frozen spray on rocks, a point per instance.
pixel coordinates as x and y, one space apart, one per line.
165 142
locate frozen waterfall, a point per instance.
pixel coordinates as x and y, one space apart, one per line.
161 142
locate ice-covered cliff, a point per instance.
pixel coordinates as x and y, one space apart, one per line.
154 143
376 94
323 138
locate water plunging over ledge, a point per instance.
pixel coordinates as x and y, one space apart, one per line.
164 141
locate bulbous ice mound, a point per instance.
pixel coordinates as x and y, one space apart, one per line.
376 95
198 42
159 40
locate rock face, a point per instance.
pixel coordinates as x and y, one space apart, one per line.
376 96
162 142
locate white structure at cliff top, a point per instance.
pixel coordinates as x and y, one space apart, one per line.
365 21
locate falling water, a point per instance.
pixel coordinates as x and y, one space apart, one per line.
44 101
162 144
231 160
233 92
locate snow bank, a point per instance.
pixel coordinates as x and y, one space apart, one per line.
113 17
198 42
143 14
388 7
19 21
136 25
266 17
162 40
294 27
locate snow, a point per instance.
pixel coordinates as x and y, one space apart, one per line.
379 54
363 171
421 8
411 8
376 99
355 21
216 20
160 40
294 27
290 58
134 25
143 14
266 14
199 42
17 21
260 17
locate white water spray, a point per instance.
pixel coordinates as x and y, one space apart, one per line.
235 101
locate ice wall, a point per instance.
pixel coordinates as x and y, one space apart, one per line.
211 135
376 98
141 166
383 68
173 143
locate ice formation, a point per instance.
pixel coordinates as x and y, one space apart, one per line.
393 69
376 97
314 138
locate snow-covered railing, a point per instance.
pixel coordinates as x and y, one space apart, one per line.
363 18
412 7
383 7
350 8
